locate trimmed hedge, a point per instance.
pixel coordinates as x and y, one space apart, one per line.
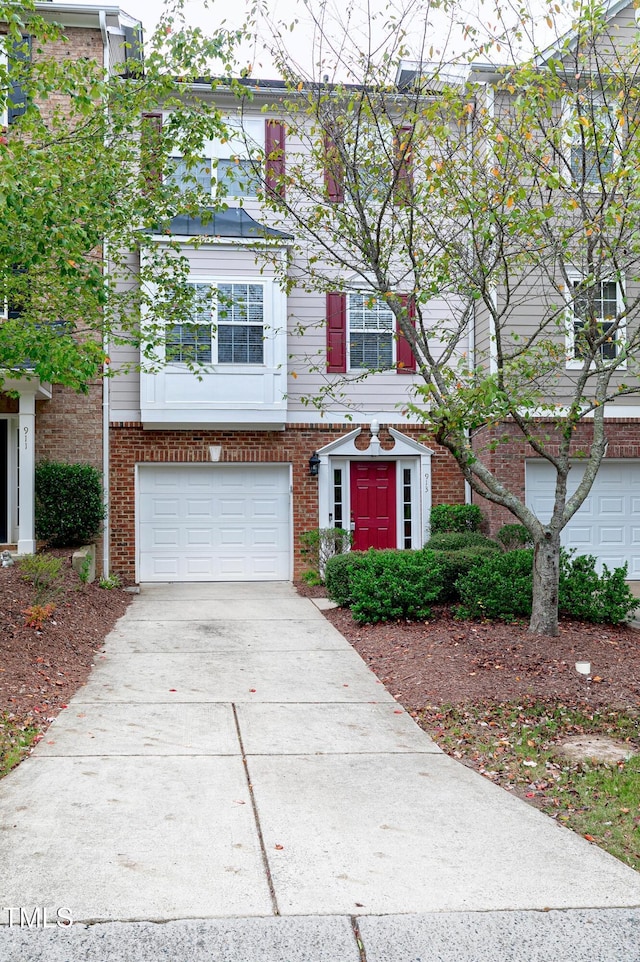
586 595
456 517
338 573
460 540
513 536
69 505
388 585
459 563
500 587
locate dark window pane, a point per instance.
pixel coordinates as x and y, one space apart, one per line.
188 343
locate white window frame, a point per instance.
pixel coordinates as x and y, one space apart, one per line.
573 142
576 363
246 142
269 331
392 332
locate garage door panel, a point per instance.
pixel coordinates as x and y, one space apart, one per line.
227 522
603 526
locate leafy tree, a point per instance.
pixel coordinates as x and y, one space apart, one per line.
503 200
81 190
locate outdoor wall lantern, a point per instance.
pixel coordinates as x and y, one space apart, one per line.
314 464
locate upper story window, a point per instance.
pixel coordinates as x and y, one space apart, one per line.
252 156
227 326
370 331
592 142
240 323
592 325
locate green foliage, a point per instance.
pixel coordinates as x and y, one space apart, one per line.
110 582
338 574
500 587
458 540
455 517
513 536
311 578
69 505
75 175
44 572
591 597
389 585
458 563
85 570
320 544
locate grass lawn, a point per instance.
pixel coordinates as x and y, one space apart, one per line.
516 745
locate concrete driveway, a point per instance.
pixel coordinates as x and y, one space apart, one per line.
232 760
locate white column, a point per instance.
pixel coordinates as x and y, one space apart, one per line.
26 474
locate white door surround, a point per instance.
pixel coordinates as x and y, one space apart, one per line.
213 522
413 465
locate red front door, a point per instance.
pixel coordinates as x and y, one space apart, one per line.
373 504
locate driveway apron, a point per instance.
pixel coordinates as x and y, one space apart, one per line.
232 756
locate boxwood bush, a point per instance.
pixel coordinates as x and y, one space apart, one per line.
458 563
456 517
586 595
502 587
459 540
388 585
338 573
69 506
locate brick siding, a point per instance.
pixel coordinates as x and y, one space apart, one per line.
131 445
507 459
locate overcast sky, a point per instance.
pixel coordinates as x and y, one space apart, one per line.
231 13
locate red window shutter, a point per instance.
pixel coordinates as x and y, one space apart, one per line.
336 333
274 147
404 161
333 173
150 140
406 361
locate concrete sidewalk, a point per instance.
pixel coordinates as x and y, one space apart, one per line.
232 758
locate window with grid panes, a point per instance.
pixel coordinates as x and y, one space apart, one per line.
601 304
406 507
337 498
240 323
190 343
370 324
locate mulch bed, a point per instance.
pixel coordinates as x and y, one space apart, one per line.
445 661
41 670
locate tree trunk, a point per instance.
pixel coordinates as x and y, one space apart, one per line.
546 575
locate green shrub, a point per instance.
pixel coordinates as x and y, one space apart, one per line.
44 572
320 544
338 574
513 536
388 585
458 563
500 587
586 595
69 505
456 517
459 540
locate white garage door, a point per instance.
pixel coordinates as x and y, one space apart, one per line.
608 523
213 522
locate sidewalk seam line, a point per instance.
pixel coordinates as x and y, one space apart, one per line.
254 806
358 937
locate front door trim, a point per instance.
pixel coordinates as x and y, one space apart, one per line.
406 452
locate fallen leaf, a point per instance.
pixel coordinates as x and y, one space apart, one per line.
279 847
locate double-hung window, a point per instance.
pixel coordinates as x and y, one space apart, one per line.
592 142
226 326
370 331
240 323
592 325
191 342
